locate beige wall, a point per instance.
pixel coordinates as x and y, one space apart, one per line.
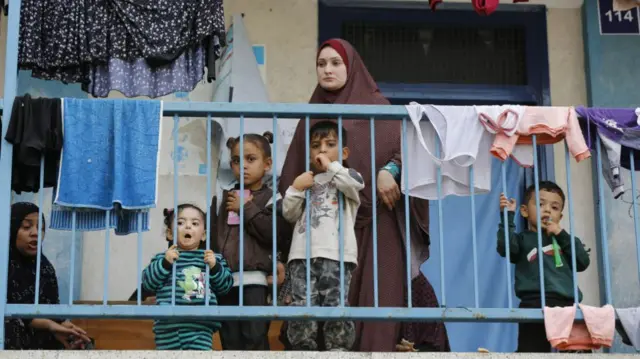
288 29
568 88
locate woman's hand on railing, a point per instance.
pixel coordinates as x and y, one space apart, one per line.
70 335
388 189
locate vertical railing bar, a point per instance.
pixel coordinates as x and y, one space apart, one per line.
307 212
274 185
40 229
536 179
505 216
474 237
209 226
10 87
635 205
341 217
72 265
241 264
107 256
374 201
440 227
574 272
139 264
407 211
176 123
603 226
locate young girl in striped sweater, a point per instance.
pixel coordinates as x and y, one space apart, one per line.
191 262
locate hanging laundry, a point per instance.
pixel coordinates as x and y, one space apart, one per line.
619 133
565 334
485 7
624 5
63 41
137 78
550 125
462 142
482 7
630 323
503 121
35 130
109 163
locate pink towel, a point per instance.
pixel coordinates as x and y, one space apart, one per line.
596 332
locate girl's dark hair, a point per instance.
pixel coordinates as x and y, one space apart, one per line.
168 214
263 141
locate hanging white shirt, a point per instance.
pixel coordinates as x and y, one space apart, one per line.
449 137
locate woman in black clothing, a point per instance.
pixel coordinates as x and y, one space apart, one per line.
32 334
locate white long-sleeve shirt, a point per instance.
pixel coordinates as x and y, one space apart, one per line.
325 239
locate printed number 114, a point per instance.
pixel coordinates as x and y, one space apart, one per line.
618 15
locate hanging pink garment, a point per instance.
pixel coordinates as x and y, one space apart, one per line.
485 7
550 125
565 334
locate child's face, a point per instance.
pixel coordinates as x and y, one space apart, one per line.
550 209
327 145
190 229
255 165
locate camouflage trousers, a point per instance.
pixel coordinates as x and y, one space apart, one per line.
325 292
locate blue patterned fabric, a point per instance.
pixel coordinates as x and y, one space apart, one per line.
137 78
109 162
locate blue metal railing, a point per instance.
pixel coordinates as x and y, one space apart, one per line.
277 111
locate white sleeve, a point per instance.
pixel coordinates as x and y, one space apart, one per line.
293 205
347 180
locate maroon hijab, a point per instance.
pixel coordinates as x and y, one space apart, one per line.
359 89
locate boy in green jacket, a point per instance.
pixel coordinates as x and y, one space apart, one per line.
557 263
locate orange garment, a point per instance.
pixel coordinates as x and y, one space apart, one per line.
565 334
550 125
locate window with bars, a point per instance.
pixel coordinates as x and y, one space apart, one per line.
398 52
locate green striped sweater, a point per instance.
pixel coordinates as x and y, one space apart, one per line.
190 284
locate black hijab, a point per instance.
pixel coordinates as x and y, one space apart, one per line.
21 289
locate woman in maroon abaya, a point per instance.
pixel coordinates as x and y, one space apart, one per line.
344 79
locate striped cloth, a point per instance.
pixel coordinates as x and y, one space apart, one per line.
190 290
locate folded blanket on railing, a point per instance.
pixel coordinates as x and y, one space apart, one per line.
109 163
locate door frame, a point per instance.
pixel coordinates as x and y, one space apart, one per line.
333 13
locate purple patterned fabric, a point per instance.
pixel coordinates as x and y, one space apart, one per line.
611 122
618 124
137 78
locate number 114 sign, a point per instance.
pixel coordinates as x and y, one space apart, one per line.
618 22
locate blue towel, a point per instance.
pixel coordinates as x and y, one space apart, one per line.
109 162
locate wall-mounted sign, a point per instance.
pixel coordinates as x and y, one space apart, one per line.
618 22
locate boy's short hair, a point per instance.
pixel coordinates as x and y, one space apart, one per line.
326 128
548 186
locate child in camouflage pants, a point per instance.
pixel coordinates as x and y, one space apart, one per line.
328 181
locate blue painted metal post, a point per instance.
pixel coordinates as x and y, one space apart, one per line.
10 85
